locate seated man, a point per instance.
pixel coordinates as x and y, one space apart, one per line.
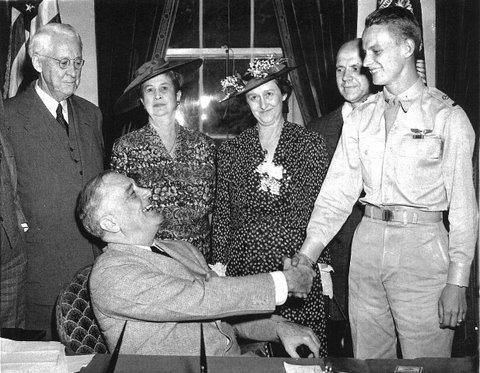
165 289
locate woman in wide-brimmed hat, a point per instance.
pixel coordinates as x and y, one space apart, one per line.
176 163
268 179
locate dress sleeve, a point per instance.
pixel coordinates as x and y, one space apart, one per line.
221 214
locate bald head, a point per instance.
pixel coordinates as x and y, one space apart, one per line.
352 81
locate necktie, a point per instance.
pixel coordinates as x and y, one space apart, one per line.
61 119
391 114
157 250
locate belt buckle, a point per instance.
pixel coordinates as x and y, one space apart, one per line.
387 215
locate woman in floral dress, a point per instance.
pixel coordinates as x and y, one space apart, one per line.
268 180
176 163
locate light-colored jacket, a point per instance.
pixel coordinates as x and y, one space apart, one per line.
165 299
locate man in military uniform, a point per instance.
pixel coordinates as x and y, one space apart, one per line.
410 149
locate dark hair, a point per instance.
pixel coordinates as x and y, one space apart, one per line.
400 21
284 85
176 78
89 203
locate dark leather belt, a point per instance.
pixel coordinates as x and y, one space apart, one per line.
403 215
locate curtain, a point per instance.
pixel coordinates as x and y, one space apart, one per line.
457 67
311 32
130 36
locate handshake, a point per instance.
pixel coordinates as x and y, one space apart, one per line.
299 275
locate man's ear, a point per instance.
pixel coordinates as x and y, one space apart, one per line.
109 224
409 47
37 65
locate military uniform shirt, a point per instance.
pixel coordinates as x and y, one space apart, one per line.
425 163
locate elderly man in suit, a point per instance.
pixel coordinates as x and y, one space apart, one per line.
353 82
13 257
165 289
57 143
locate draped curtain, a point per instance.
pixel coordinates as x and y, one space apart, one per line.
311 32
129 36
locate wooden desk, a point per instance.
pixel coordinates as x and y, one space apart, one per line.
191 364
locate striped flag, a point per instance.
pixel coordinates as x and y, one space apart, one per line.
27 16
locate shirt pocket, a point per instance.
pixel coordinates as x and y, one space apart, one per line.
419 161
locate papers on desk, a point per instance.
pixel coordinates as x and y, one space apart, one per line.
292 368
32 357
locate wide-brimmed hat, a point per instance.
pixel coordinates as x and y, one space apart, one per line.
129 98
260 72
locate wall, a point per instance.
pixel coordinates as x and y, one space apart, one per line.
81 15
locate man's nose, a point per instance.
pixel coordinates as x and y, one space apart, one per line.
347 75
367 61
71 70
145 192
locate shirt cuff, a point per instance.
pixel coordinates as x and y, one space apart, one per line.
458 274
281 287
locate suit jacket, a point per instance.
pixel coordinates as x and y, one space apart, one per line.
330 126
52 169
165 299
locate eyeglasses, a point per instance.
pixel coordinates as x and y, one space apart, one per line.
65 62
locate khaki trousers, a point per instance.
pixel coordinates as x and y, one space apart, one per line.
397 273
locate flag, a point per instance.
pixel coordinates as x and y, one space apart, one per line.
27 16
415 7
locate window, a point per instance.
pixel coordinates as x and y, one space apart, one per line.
227 34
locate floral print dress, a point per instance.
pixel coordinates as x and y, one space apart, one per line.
259 219
182 185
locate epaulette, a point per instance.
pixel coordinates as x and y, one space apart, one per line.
442 97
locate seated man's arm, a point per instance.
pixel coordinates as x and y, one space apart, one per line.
133 289
276 328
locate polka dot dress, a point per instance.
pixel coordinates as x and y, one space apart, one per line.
255 227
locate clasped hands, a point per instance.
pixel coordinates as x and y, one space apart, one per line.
299 275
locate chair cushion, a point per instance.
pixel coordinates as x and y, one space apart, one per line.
76 324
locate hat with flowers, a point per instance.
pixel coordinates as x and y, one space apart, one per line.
259 72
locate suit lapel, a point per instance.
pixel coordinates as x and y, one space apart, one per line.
48 135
